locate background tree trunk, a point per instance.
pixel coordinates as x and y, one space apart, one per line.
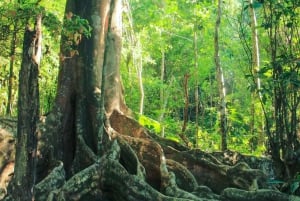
221 82
162 96
140 76
257 81
182 135
11 68
195 41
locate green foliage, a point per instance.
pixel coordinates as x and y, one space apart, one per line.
171 127
4 76
52 23
281 73
48 82
291 187
14 17
74 24
295 184
171 27
74 29
208 141
149 123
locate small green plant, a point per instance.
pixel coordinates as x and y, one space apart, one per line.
149 123
295 184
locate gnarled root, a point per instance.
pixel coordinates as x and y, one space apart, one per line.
232 194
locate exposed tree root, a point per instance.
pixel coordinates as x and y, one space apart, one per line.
136 165
233 194
54 180
7 156
184 178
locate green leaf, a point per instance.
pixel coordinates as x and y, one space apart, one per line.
294 187
274 181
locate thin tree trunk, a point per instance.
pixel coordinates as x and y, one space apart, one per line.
220 80
185 111
11 69
133 40
28 115
162 93
211 121
166 96
255 46
196 85
255 70
140 77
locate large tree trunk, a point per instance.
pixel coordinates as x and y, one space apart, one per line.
90 149
81 89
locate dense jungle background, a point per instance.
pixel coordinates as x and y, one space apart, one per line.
149 100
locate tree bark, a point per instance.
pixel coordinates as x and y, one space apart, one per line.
162 96
140 77
257 81
185 110
88 82
28 115
221 82
196 85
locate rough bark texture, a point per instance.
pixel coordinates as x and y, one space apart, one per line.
221 82
28 114
7 158
90 149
